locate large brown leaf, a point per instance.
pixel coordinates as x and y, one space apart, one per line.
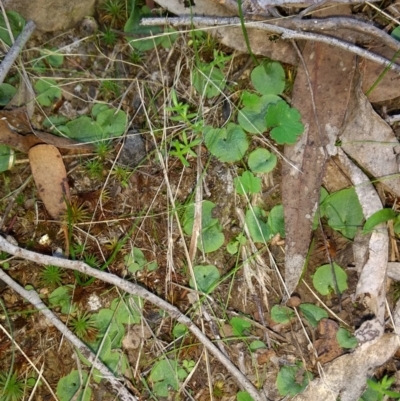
330 71
50 177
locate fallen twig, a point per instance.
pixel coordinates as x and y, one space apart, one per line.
284 32
15 49
132 289
35 300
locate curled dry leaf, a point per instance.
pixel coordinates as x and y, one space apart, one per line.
326 345
50 177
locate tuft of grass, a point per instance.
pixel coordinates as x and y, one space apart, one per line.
83 326
51 276
114 13
94 168
11 388
108 37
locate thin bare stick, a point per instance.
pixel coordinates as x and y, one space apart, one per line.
12 55
132 289
284 32
35 300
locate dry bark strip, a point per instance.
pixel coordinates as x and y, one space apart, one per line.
323 109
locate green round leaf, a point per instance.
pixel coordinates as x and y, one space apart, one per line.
227 144
244 396
48 91
179 330
268 78
247 183
208 80
256 344
206 277
163 376
281 314
324 282
344 212
284 121
313 313
17 24
276 221
7 92
345 339
84 129
262 161
68 386
258 228
112 122
252 117
287 381
239 326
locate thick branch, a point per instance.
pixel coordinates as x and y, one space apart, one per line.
284 32
135 289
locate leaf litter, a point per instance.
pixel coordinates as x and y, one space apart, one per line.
338 378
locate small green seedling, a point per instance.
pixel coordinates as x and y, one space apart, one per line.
51 276
313 314
107 123
208 78
345 339
244 396
61 297
83 325
257 344
211 237
48 91
284 122
324 281
240 327
233 246
17 24
206 277
262 227
343 211
12 388
72 385
228 144
268 78
282 314
262 161
269 111
136 261
183 148
164 376
179 330
380 390
7 92
247 183
292 380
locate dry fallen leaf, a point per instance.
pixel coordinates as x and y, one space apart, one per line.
330 71
50 177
